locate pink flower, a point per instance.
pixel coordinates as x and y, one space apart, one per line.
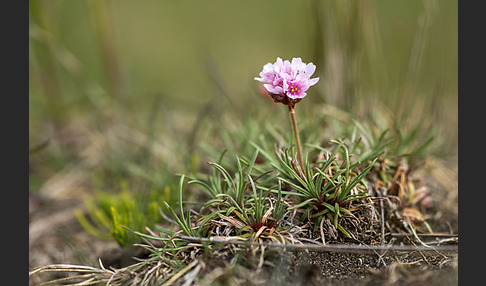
287 82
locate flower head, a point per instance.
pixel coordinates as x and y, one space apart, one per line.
287 82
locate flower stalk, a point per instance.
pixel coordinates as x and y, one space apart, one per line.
297 139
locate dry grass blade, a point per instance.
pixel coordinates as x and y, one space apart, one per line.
344 248
69 268
323 238
259 232
234 222
90 276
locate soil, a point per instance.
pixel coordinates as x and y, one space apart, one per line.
328 268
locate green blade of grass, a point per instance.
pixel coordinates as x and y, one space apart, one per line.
226 175
304 203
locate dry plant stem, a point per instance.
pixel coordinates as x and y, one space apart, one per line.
297 138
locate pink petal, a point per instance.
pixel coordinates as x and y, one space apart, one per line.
313 81
310 69
274 89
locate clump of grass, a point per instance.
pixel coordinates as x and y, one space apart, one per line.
329 186
243 208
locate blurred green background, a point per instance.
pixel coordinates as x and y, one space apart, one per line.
118 89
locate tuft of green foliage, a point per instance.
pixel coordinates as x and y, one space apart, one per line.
328 187
239 201
108 213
